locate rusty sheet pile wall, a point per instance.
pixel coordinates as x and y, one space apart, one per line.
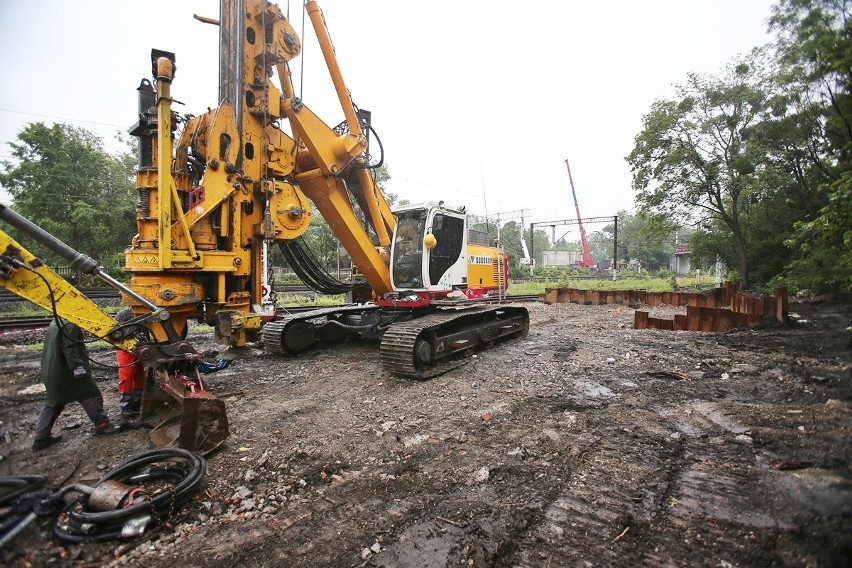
720 309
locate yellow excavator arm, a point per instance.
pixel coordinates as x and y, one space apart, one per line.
23 274
173 364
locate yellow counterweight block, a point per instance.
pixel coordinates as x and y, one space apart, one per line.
484 265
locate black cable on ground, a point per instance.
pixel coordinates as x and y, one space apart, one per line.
19 485
181 469
18 497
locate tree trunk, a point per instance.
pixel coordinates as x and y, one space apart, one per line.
741 256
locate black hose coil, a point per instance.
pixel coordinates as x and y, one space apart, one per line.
183 468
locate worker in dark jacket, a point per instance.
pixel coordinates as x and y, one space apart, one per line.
67 377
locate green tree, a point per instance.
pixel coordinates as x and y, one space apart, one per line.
641 237
68 184
815 46
696 160
538 242
600 245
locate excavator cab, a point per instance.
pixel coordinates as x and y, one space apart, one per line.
408 248
428 248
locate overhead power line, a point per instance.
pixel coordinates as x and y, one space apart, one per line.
96 122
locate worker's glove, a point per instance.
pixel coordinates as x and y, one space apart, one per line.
80 372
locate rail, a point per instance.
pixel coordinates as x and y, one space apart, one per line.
24 323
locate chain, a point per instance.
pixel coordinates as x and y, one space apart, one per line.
273 297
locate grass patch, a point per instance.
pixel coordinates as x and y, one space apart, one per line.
649 284
295 300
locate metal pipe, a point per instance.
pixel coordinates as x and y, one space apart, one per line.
146 101
333 68
615 243
371 197
16 530
78 260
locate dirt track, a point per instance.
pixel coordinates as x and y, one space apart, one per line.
541 452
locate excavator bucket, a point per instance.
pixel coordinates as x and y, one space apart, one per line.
193 419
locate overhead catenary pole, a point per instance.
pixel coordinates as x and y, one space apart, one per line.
614 247
587 220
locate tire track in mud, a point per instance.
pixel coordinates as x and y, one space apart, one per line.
617 490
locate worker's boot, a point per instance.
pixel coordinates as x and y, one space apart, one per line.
105 427
42 443
126 405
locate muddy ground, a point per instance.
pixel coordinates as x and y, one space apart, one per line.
587 443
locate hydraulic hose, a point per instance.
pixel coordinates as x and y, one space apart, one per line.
17 505
305 265
180 468
19 486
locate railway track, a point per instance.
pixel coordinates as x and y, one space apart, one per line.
93 293
21 323
110 293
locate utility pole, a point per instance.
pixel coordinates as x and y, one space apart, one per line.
615 247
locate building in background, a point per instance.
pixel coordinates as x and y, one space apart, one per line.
680 260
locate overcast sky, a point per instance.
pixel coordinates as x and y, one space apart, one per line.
477 103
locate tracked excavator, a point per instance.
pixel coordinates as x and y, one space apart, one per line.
217 189
246 174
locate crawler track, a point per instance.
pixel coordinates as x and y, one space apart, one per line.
406 345
418 348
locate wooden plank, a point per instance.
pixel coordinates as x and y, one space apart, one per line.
706 318
693 318
575 296
724 320
781 304
550 295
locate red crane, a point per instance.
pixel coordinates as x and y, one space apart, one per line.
587 261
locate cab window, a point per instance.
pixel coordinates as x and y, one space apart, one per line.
408 249
449 234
